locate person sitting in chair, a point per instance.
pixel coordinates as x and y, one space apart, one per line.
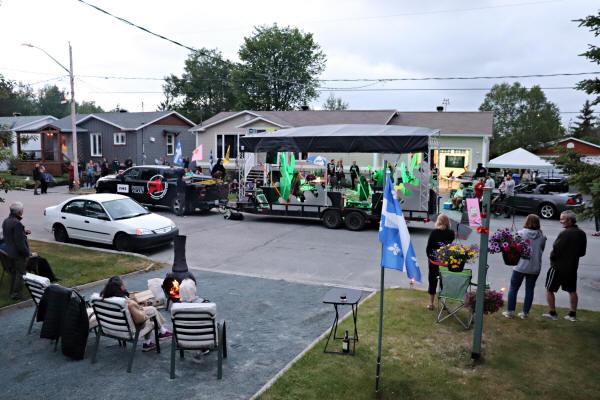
458 197
188 294
115 287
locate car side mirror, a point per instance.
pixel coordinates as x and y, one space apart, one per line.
103 217
121 177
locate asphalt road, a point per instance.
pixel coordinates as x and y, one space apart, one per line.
305 251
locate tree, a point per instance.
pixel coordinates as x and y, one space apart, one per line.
88 107
591 86
279 69
522 117
334 103
16 98
586 124
52 101
584 176
204 89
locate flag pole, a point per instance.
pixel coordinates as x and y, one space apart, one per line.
380 334
382 279
481 275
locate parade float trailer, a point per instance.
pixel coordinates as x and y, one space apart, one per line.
289 188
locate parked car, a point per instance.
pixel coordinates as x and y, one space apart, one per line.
532 198
156 185
110 219
554 181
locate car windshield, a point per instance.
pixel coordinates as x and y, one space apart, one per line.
124 208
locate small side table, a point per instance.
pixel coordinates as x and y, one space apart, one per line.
343 297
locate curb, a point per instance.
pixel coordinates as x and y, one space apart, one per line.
271 381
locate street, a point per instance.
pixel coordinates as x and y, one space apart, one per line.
305 251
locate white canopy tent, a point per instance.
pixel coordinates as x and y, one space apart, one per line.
519 159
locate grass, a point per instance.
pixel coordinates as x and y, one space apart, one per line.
76 266
421 359
26 182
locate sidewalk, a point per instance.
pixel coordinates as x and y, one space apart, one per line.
269 322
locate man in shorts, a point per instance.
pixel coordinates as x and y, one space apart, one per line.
568 247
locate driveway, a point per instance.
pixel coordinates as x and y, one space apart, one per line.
305 251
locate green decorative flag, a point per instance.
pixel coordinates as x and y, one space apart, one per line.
287 174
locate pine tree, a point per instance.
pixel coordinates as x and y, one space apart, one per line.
586 123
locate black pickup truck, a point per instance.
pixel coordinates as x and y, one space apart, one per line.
156 186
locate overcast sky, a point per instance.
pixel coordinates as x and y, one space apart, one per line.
361 39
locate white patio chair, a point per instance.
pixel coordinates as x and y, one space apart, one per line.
195 327
36 285
114 321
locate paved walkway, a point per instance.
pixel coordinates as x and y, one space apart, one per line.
269 322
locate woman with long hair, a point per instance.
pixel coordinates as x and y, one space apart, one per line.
142 316
441 235
527 269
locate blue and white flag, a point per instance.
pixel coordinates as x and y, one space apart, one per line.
178 157
396 247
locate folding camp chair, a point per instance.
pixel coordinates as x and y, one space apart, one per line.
114 321
36 285
451 297
195 328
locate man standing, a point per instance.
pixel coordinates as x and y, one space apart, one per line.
37 178
331 172
354 174
507 188
17 248
481 171
490 183
568 247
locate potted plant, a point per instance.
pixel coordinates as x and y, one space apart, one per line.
492 301
455 256
511 245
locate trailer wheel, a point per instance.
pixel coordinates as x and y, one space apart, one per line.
332 219
355 221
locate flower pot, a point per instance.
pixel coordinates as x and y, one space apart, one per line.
511 257
456 267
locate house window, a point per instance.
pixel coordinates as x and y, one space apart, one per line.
96 144
119 138
227 141
170 144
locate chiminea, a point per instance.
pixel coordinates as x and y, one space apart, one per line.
179 271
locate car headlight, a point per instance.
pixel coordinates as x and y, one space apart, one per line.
142 231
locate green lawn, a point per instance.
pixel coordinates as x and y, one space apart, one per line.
527 359
76 266
25 181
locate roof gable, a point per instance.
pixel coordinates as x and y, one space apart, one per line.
21 122
125 121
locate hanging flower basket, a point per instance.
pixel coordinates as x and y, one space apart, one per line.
511 258
455 256
457 267
492 301
512 246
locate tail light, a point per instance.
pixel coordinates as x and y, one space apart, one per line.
571 201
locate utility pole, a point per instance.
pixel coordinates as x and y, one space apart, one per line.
73 109
73 122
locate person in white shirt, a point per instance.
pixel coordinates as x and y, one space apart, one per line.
489 182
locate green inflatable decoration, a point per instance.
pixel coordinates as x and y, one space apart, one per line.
364 190
287 174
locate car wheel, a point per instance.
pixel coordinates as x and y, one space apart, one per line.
547 211
332 219
122 242
355 221
177 207
60 234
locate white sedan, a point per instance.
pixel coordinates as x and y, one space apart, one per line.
111 219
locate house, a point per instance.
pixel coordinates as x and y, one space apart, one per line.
17 123
143 137
463 139
590 151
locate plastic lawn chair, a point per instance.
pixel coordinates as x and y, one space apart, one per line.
451 297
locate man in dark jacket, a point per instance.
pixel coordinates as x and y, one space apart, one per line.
568 247
17 247
354 174
37 178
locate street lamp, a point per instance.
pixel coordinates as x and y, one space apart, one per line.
73 111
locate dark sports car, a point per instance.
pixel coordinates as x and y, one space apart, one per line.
156 185
532 198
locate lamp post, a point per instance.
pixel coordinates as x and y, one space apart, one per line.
73 110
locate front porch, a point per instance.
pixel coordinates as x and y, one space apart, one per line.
46 146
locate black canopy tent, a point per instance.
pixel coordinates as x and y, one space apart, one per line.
349 138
